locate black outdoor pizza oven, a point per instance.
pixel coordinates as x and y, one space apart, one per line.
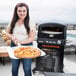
51 39
51 35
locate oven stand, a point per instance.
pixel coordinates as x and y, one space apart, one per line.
45 63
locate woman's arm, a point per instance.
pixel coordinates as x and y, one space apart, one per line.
7 30
31 38
14 39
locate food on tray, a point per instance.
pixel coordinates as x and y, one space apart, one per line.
27 52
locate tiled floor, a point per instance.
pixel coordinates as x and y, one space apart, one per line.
69 67
5 70
70 63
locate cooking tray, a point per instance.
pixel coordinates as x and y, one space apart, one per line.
12 49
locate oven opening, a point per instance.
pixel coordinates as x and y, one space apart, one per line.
51 30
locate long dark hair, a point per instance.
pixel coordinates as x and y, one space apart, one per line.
15 18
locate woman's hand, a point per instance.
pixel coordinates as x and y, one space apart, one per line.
15 40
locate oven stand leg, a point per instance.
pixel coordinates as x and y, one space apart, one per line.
2 60
34 70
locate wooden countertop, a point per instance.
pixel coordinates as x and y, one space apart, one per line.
4 51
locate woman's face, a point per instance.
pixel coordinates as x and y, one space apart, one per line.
21 12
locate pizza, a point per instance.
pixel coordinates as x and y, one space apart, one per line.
27 52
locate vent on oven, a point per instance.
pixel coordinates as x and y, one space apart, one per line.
51 30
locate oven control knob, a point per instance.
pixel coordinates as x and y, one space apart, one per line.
54 42
40 41
50 42
59 42
47 41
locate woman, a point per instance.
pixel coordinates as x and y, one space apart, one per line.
21 30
